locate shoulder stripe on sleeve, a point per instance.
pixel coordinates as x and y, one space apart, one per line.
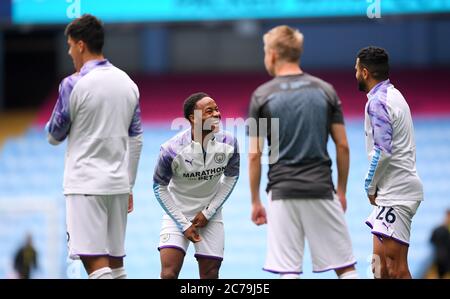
156 190
60 121
372 169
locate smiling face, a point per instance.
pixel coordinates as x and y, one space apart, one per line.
210 113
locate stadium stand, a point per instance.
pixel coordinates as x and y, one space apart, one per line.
31 173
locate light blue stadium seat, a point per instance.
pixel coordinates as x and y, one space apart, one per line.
31 168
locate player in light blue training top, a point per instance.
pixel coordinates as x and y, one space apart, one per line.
392 183
196 172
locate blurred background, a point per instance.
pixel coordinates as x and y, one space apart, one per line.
173 48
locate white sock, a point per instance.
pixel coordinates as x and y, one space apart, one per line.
289 276
102 273
349 275
119 273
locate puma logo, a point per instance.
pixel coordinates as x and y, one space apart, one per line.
190 162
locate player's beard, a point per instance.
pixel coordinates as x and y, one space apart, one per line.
362 85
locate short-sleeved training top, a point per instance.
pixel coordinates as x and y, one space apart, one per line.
305 107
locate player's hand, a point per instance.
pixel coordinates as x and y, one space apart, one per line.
372 199
258 214
342 199
192 234
199 220
130 203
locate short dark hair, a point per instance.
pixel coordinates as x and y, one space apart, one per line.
376 60
191 101
88 29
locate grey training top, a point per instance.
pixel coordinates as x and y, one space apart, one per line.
306 106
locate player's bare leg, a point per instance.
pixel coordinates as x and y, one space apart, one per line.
96 266
93 263
117 268
209 268
171 262
347 273
379 268
115 263
396 258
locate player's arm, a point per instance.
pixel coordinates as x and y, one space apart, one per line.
339 136
58 126
161 178
254 165
135 142
227 183
342 160
254 159
381 153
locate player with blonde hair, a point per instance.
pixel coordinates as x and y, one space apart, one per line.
302 200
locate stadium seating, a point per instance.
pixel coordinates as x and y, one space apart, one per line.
31 200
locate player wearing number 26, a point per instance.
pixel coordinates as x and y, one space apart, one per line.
392 183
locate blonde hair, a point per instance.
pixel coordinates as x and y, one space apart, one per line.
286 41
